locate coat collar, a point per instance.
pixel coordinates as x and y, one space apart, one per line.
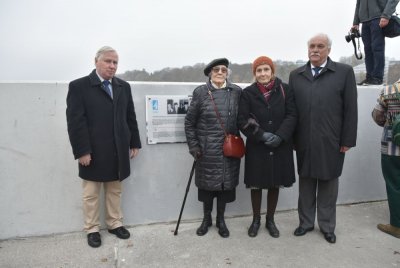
228 86
259 95
305 70
116 85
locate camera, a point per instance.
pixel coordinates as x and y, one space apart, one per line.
354 33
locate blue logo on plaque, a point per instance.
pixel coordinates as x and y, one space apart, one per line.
154 104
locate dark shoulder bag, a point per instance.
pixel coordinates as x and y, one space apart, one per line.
393 28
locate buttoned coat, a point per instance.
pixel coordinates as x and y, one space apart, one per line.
267 167
214 171
102 126
327 118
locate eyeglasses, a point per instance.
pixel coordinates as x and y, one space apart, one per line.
222 69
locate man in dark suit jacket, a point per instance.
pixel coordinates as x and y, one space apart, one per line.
326 99
104 135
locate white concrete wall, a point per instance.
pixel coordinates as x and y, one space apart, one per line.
40 192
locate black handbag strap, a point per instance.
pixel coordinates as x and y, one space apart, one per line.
283 92
358 54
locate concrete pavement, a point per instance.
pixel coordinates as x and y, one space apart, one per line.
359 244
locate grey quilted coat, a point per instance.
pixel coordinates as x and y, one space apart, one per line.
204 133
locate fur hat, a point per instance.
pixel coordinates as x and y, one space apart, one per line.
263 60
216 62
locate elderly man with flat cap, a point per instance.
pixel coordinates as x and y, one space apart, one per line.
217 176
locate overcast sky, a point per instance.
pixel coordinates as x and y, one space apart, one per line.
57 39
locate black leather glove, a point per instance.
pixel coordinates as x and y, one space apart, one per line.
266 136
251 122
196 153
274 141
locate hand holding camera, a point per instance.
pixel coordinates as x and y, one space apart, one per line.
354 34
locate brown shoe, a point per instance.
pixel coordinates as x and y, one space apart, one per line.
389 229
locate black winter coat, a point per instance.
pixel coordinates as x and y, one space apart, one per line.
327 118
103 127
214 172
267 167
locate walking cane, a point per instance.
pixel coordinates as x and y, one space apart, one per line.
184 199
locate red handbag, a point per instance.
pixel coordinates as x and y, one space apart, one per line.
233 145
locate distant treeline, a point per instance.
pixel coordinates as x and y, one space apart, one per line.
241 73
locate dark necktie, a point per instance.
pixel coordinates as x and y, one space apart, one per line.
316 71
106 87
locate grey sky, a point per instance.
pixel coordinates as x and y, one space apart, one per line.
57 39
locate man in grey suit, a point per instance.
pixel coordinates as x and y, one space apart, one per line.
326 100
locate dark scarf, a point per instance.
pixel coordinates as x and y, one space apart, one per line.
266 89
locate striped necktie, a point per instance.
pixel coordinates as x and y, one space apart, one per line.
316 71
106 87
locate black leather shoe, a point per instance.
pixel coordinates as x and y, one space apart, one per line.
330 237
94 239
302 231
222 229
271 227
255 225
203 229
120 232
375 81
364 82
